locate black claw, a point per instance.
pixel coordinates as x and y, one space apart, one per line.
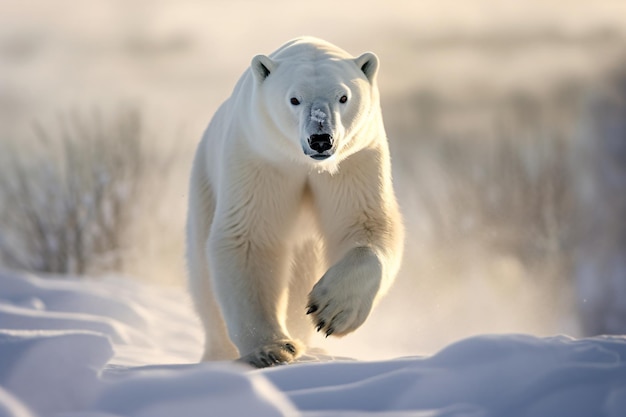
265 362
291 348
330 331
311 309
273 357
320 325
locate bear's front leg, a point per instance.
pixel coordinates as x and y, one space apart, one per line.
363 234
250 258
275 353
250 282
343 298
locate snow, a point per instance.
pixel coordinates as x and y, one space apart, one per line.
116 347
318 116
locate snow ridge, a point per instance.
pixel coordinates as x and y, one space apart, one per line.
116 347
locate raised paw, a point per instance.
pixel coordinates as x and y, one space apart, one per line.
343 298
274 353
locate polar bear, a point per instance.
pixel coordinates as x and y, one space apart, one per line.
292 177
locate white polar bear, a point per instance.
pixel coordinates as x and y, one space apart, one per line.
292 176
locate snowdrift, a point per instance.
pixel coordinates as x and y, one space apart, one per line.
120 348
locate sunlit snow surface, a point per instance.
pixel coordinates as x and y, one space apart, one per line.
119 348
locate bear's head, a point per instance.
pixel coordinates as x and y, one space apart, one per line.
317 101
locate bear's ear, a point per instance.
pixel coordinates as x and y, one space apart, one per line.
368 64
262 66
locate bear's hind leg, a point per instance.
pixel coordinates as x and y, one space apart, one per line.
218 345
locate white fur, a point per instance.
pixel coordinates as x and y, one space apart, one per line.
266 220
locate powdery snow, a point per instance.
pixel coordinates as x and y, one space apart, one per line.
318 116
119 348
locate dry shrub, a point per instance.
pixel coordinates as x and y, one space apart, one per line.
69 197
536 179
600 264
488 198
503 184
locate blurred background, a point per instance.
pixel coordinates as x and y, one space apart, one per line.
506 120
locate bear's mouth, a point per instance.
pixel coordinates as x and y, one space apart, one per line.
319 156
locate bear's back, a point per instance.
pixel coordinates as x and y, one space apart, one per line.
308 47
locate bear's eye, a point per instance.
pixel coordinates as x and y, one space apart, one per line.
294 101
343 99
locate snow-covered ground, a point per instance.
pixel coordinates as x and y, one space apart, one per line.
116 347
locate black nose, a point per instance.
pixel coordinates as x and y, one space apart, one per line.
321 142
